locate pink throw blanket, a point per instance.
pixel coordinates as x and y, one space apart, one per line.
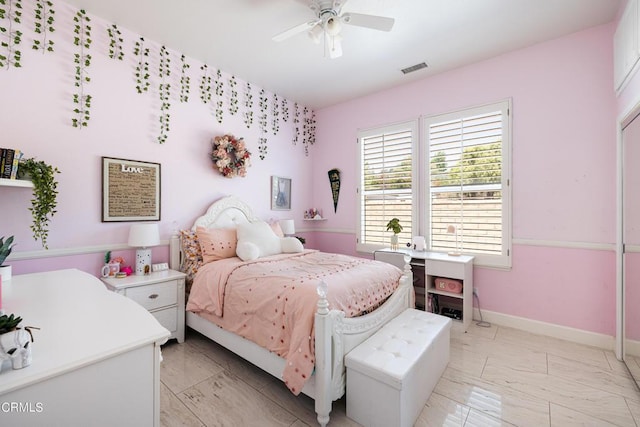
272 301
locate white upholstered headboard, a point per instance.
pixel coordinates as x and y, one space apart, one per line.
227 212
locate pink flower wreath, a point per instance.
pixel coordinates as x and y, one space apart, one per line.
230 155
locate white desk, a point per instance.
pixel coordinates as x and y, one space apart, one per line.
437 264
96 358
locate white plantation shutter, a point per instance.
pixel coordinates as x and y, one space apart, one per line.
386 186
468 170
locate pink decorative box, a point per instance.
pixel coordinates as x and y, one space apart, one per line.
448 285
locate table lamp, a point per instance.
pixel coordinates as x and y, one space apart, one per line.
143 236
451 229
288 227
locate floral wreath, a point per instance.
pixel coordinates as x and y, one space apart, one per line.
230 155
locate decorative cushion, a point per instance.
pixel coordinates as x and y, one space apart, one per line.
260 234
217 243
247 251
291 245
275 226
191 253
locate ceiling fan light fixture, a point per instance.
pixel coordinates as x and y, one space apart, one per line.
316 34
333 26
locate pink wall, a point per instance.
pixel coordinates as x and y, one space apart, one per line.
564 164
35 116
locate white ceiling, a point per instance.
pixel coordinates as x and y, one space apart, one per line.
235 36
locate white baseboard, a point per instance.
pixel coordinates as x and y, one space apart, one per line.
605 342
632 348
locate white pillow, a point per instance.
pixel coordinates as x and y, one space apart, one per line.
291 245
247 251
261 235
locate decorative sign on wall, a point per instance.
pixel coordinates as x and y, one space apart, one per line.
334 180
130 190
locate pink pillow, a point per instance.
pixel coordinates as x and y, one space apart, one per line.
217 243
275 226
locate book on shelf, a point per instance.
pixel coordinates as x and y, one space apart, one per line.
9 162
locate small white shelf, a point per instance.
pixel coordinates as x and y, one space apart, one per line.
15 183
449 294
312 219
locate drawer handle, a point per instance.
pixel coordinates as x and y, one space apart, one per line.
153 296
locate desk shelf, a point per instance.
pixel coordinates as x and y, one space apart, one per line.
437 264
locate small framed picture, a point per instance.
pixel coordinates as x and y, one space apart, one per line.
130 190
280 193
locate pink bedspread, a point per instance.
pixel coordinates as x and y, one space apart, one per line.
272 301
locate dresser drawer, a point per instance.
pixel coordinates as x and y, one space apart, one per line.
156 295
167 318
445 269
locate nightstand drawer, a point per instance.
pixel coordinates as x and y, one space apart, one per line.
444 269
156 295
167 318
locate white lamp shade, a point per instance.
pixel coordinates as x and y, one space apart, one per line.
144 235
288 226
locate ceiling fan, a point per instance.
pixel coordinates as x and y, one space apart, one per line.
328 22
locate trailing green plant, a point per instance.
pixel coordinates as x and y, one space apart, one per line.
263 104
43 25
394 225
285 110
219 92
305 130
9 323
45 193
6 246
248 103
296 123
11 11
185 80
142 66
115 43
164 91
205 85
82 59
275 114
233 99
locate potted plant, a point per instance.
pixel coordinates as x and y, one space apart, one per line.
15 342
45 192
5 249
394 225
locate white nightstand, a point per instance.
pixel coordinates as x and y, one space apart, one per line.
162 293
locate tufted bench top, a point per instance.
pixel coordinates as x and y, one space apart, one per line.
391 353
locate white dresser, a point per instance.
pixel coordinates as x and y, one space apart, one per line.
96 357
162 293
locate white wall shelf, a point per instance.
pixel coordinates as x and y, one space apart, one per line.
15 183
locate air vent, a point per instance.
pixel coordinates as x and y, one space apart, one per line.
413 68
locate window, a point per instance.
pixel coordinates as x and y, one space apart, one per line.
459 175
386 190
468 183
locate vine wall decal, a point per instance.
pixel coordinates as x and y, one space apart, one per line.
10 37
82 61
43 25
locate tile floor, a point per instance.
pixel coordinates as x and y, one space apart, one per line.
497 376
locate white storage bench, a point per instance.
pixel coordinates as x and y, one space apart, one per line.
391 375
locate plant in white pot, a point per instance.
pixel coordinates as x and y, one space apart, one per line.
394 225
15 342
5 249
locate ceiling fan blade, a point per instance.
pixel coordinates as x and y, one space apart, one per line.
295 30
380 23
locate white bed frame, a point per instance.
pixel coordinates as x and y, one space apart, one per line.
335 334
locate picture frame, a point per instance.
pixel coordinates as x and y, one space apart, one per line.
130 190
280 193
